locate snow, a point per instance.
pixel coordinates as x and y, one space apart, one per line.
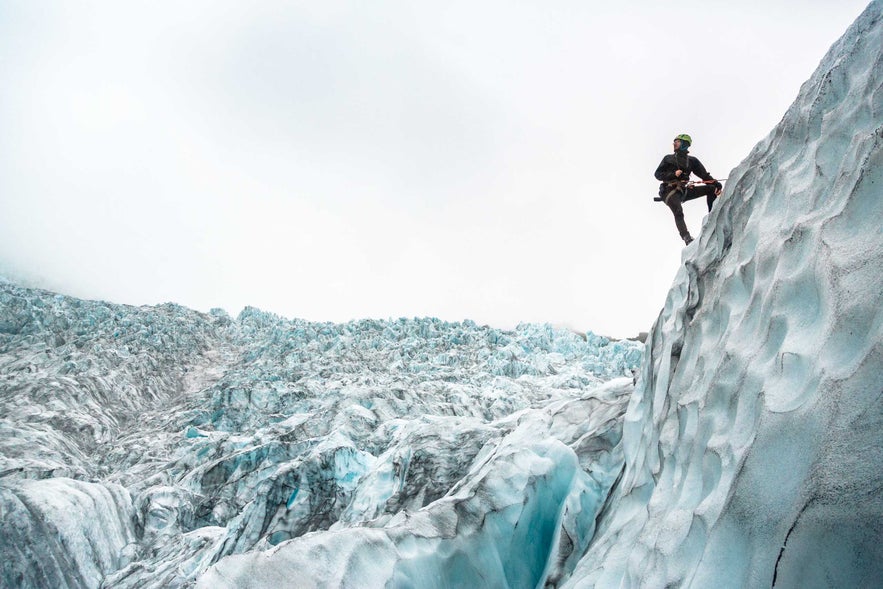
741 447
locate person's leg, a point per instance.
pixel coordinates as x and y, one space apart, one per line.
673 200
706 190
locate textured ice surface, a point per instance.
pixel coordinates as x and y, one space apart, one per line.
60 532
138 446
523 513
754 440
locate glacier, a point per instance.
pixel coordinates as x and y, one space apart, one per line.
741 446
140 446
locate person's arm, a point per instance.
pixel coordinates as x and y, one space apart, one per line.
700 171
666 172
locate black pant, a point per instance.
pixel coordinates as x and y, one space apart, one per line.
678 195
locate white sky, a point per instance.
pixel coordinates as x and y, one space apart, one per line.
337 160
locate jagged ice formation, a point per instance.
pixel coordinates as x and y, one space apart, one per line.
138 446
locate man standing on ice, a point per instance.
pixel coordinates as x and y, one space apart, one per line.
674 173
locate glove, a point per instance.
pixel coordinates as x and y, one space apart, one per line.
717 185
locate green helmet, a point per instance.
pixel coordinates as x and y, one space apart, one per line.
685 137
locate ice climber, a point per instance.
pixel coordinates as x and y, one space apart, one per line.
674 173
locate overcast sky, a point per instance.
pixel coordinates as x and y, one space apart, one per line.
484 160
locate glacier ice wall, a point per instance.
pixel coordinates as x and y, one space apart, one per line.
140 446
754 440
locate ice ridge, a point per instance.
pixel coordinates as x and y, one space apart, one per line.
753 442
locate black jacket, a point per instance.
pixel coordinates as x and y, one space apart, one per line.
684 162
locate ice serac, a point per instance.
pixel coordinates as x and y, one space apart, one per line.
61 532
754 440
141 446
521 515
